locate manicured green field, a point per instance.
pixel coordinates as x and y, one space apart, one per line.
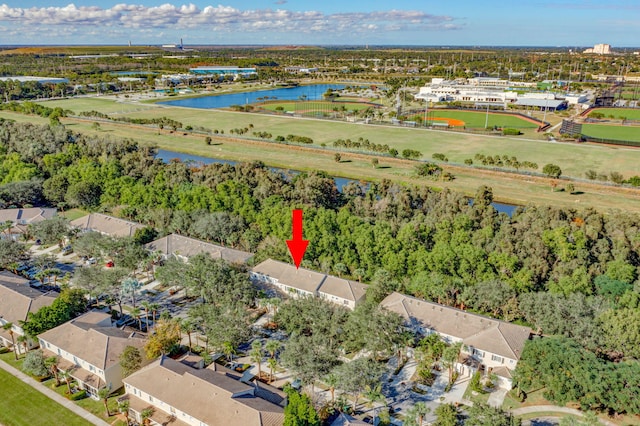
312 106
478 119
20 404
606 131
629 113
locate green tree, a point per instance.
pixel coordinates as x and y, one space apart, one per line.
34 364
356 376
416 414
165 337
480 414
447 415
50 231
130 360
552 170
52 364
103 394
256 355
299 410
450 357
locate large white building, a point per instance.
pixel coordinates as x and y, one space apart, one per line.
599 49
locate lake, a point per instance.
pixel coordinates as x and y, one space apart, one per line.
166 156
311 93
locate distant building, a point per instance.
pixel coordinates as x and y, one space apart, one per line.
300 70
599 49
224 70
41 80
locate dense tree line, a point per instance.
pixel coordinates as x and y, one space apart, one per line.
431 244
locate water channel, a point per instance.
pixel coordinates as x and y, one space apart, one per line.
310 93
166 156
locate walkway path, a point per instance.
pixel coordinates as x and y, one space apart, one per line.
51 394
553 408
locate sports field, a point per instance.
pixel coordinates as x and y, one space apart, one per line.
475 120
628 113
314 107
612 131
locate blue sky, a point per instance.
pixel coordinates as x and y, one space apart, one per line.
298 22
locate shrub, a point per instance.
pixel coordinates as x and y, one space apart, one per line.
511 132
591 174
439 156
468 161
78 395
474 383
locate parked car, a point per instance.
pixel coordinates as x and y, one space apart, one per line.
109 264
67 250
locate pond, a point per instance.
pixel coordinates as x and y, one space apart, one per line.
311 93
166 156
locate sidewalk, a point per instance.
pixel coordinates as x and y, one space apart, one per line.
51 394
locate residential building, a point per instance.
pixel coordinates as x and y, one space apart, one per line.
89 348
181 395
107 225
183 248
224 70
489 345
17 300
297 282
21 219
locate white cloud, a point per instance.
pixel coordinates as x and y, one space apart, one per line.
224 18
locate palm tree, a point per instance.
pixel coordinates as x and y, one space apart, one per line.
52 365
146 415
103 394
228 350
8 327
154 307
450 356
147 307
331 380
24 341
416 414
374 394
256 355
137 314
66 376
186 326
272 347
124 409
273 363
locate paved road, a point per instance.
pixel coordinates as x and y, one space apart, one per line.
53 395
553 408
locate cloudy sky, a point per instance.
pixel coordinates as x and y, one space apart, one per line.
353 22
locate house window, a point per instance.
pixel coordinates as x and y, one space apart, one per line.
478 353
75 360
497 358
172 410
91 368
59 351
150 398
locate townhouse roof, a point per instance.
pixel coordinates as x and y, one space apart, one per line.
481 332
347 420
174 244
109 225
26 216
88 339
311 281
206 395
17 298
345 289
22 218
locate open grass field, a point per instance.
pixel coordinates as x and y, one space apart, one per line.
574 159
628 113
478 119
612 131
23 405
314 106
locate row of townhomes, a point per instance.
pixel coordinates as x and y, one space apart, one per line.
18 220
183 392
304 282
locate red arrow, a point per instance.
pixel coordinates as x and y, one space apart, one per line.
297 246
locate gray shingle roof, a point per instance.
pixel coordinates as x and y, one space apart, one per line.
109 225
17 298
175 244
484 333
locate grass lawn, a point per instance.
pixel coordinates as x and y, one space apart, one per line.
74 214
611 131
574 159
477 119
23 405
629 113
315 106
